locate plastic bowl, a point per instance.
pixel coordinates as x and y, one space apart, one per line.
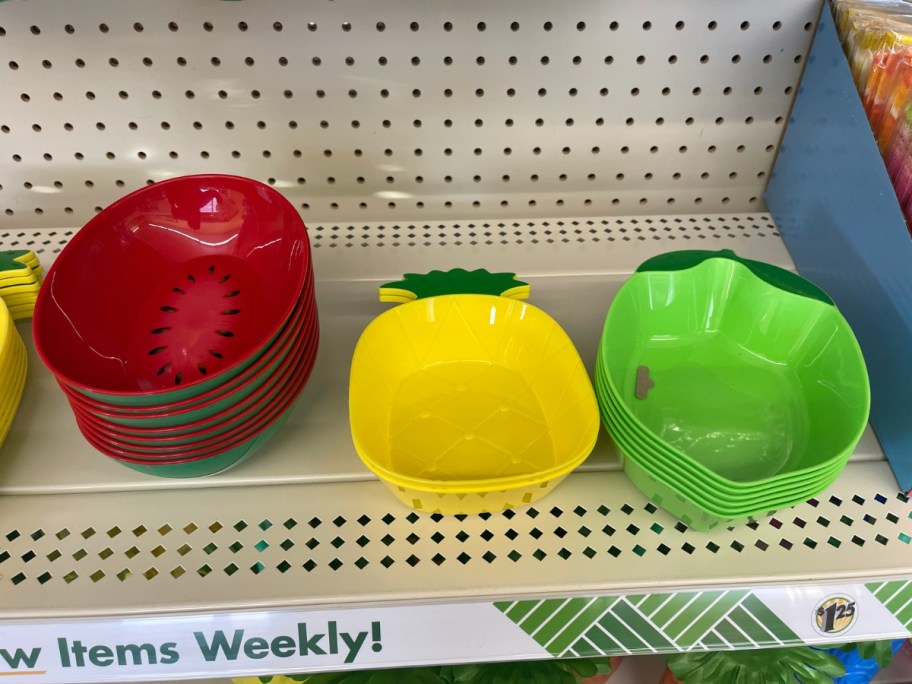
212 465
210 446
701 494
172 290
225 406
208 433
647 449
467 403
757 377
214 400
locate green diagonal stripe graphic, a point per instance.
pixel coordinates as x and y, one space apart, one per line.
651 604
600 640
521 609
768 621
896 596
622 633
579 625
559 620
694 613
703 622
904 615
673 607
608 625
727 631
537 617
712 642
639 624
753 633
886 592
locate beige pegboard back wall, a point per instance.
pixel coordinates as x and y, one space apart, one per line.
367 110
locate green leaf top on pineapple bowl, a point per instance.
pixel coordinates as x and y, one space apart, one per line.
766 666
12 260
455 281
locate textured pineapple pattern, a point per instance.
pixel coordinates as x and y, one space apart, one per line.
471 388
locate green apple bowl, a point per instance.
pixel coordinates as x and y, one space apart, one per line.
703 493
743 372
648 449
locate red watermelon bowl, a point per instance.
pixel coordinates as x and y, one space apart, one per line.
181 323
173 290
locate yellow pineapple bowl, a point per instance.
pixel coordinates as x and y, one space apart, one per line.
465 399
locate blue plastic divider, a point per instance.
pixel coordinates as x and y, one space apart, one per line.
832 198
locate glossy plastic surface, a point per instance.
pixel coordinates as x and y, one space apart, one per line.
215 399
212 446
752 384
730 507
140 306
214 465
774 275
225 405
684 471
215 432
470 394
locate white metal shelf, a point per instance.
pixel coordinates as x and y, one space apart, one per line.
412 136
303 528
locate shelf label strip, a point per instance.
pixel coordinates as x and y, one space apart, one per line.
285 641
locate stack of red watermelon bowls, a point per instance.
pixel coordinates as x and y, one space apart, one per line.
181 323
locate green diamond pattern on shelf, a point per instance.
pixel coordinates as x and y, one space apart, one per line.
617 625
896 596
